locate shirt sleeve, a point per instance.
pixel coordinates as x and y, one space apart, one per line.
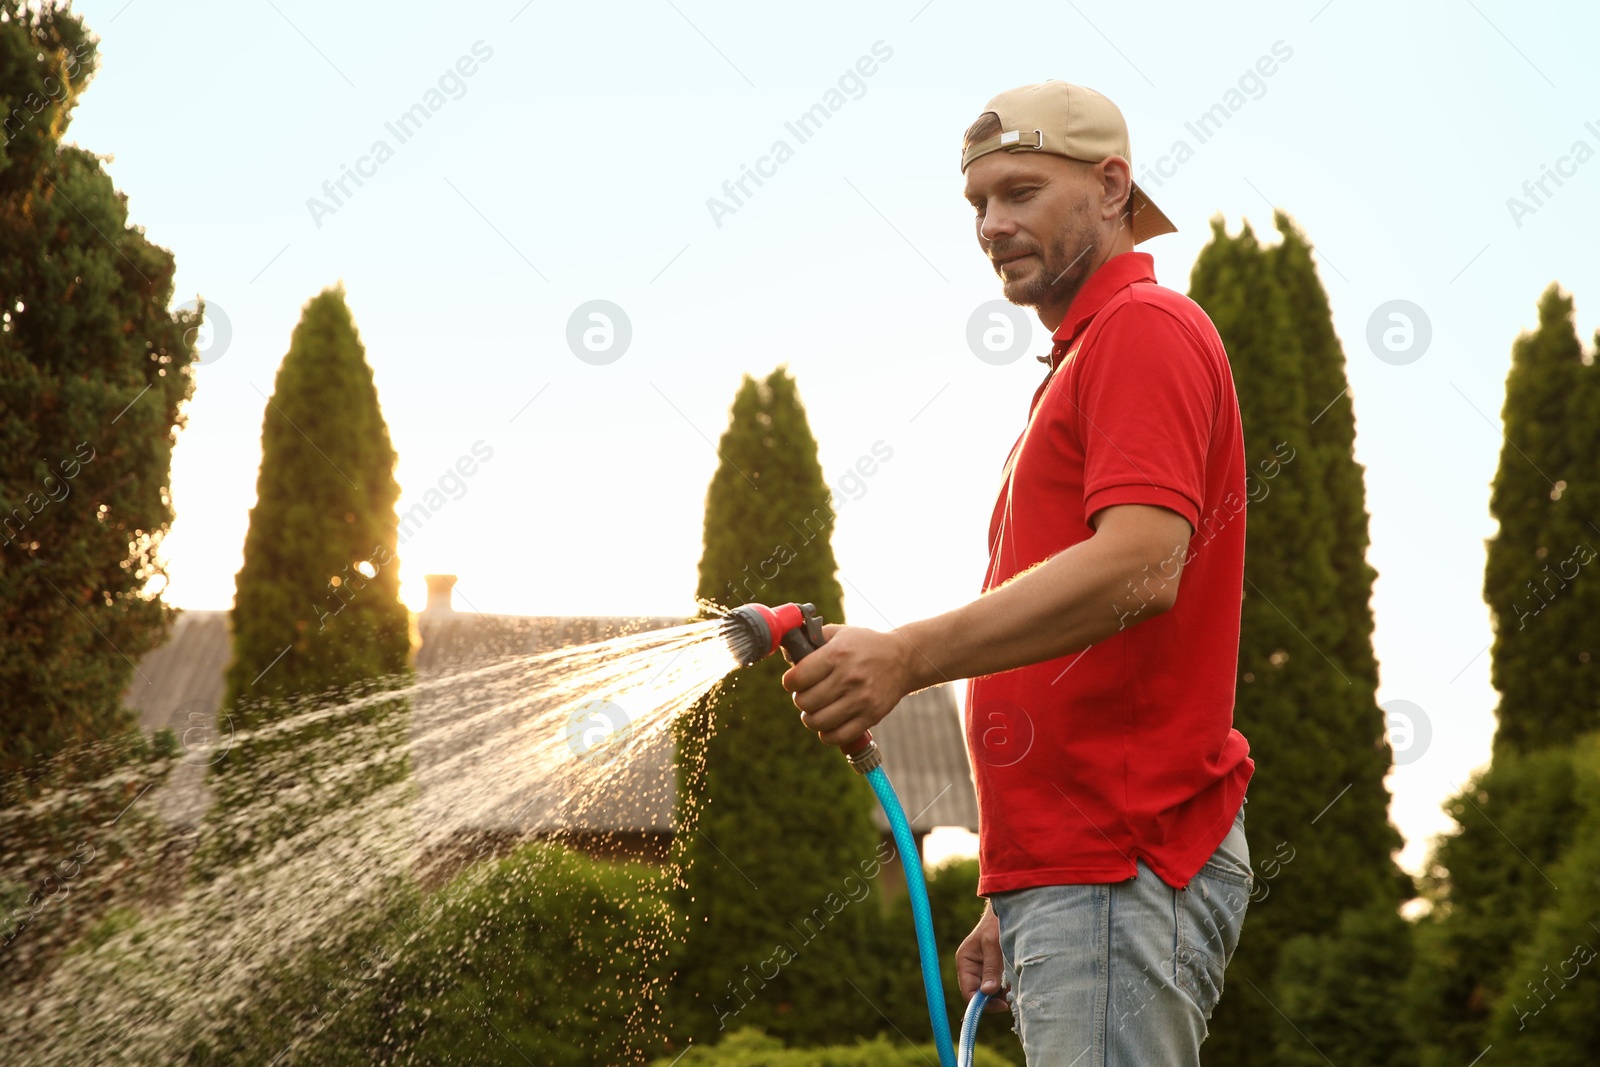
1148 401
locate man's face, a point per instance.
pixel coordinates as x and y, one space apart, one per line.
1038 221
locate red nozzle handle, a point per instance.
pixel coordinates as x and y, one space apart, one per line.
801 628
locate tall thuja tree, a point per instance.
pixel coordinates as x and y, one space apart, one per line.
1568 580
317 618
1319 834
1338 984
774 828
93 372
1330 434
1490 880
1277 697
1546 690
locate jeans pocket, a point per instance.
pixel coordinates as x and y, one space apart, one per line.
1210 916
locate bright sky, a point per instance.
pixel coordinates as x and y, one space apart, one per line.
574 163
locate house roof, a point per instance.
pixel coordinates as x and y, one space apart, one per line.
180 686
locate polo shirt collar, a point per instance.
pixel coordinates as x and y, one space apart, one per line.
1115 275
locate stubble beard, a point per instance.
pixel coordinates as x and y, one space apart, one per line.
1058 275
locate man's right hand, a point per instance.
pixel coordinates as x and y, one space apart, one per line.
979 963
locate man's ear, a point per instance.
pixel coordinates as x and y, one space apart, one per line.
1116 186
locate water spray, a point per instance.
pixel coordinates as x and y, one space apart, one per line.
754 632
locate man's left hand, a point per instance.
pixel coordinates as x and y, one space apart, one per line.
847 686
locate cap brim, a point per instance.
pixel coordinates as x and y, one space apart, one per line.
1148 220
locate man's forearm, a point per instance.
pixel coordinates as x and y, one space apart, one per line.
1077 597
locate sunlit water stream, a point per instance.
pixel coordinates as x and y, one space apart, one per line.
573 738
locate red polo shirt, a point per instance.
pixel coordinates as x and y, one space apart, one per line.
1126 750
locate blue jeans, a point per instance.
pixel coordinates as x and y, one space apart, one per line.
1123 974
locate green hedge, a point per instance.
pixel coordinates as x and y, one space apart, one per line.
543 956
540 956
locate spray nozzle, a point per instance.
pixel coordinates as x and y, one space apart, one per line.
755 631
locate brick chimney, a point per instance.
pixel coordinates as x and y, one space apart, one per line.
439 587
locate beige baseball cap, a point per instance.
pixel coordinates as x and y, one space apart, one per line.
1067 120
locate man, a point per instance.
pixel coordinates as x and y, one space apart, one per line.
1099 714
